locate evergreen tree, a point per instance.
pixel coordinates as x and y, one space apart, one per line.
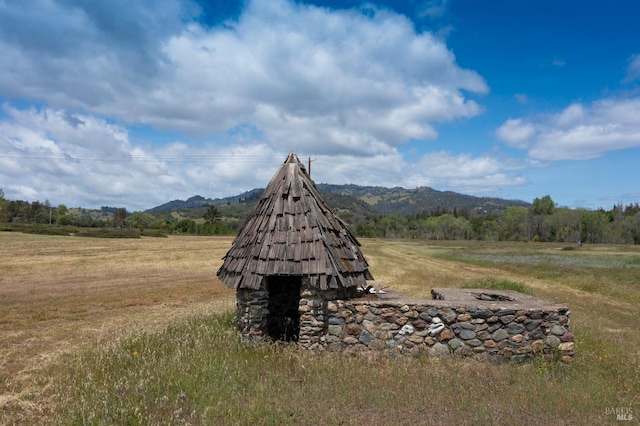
211 215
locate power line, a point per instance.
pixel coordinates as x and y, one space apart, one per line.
74 156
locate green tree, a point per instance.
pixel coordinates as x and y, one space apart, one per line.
163 224
61 215
486 227
634 225
211 215
449 227
565 224
514 226
542 206
142 220
392 225
4 208
539 226
186 226
366 228
38 213
593 226
119 218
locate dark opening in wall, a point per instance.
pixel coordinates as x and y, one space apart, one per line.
284 297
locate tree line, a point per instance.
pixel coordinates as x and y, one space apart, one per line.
542 221
18 212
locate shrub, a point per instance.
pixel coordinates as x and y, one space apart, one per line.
154 233
36 228
109 233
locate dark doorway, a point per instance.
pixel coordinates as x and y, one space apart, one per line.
284 298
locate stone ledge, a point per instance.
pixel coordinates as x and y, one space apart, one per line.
464 322
456 297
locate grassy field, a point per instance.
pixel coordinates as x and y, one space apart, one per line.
97 331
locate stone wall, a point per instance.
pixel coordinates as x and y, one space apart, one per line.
517 327
252 311
255 310
484 324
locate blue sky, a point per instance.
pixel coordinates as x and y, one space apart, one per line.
134 104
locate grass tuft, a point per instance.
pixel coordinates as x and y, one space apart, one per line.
491 283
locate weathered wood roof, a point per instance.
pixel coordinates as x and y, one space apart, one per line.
292 231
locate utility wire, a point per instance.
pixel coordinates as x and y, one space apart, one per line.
74 156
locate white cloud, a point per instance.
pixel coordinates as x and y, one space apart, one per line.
516 132
633 69
578 132
296 69
284 68
442 170
78 158
571 116
434 8
84 54
47 159
466 173
81 160
343 86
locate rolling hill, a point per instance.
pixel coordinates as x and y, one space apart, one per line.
357 202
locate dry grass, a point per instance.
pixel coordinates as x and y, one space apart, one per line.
83 322
59 294
412 267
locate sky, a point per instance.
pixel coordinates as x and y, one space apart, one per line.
133 104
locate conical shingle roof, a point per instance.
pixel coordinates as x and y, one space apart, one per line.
293 232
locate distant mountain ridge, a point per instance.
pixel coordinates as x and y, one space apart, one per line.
367 201
199 201
421 199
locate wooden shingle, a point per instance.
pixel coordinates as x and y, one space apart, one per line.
292 231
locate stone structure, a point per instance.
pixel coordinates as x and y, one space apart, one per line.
299 276
290 245
485 324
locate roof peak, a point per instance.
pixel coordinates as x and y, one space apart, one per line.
292 157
